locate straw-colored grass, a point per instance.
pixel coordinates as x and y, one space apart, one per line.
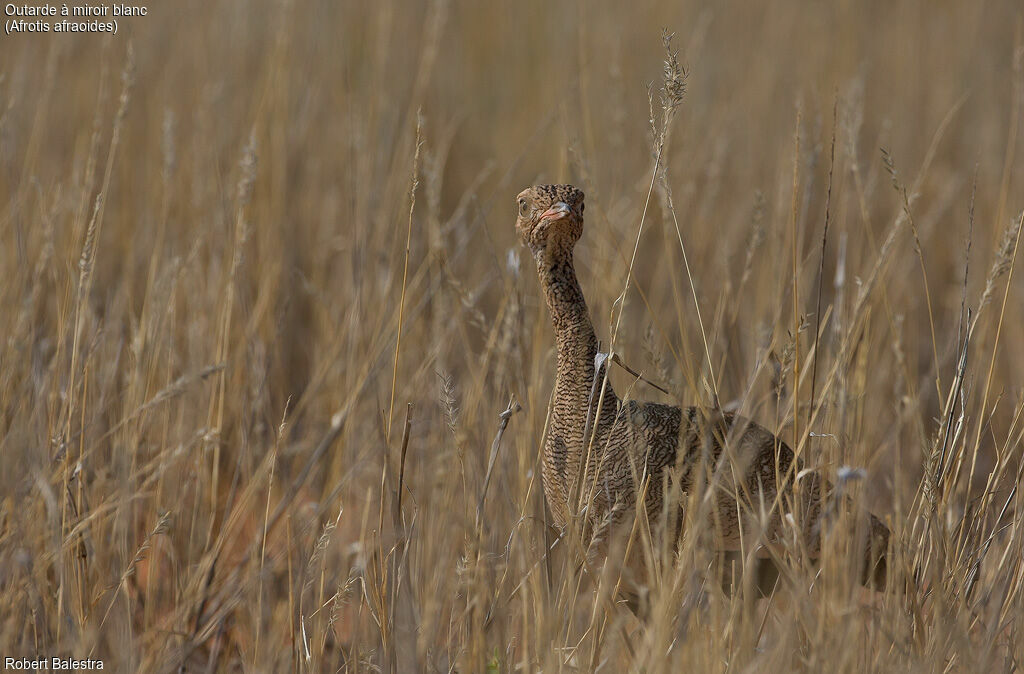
274 374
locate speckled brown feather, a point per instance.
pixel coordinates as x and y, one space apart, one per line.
635 440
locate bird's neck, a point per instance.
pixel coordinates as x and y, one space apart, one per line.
566 304
575 378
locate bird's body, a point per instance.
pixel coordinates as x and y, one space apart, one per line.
601 452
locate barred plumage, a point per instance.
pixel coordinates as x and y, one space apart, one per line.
637 440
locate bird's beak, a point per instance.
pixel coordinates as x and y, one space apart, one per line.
556 212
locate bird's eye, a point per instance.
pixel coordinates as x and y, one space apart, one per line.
523 207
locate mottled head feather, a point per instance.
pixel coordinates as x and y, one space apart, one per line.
540 233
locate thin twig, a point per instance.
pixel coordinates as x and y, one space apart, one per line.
821 262
503 418
405 447
405 269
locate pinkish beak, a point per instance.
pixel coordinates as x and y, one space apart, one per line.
556 212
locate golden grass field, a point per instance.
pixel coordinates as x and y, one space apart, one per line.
262 304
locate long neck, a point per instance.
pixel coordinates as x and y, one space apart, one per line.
568 307
574 381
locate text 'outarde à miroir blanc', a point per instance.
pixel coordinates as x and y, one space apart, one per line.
65 18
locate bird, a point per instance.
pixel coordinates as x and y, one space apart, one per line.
603 454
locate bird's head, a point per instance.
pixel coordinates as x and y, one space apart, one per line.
550 217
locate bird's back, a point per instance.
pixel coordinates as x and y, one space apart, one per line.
737 465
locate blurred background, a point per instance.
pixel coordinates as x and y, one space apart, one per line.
203 230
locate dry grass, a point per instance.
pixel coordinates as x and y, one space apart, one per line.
216 454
